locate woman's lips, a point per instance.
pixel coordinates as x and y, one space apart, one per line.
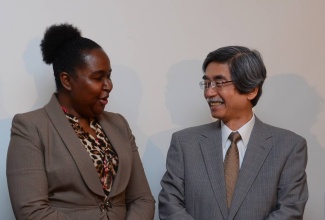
103 101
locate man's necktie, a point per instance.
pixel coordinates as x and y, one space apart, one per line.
231 166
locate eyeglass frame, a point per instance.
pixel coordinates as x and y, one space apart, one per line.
214 84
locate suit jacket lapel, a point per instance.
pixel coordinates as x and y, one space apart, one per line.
257 150
211 147
74 145
120 143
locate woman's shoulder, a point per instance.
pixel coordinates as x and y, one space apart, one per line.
113 118
114 121
111 115
37 114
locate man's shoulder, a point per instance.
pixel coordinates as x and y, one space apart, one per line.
197 130
282 133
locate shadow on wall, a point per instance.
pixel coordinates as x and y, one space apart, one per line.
44 83
289 102
125 99
187 107
126 94
5 125
42 73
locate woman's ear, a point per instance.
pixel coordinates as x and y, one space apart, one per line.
252 94
65 80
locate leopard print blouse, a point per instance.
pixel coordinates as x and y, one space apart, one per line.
100 151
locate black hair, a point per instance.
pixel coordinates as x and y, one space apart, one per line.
65 48
246 68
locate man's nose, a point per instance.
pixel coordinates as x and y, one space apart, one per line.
210 92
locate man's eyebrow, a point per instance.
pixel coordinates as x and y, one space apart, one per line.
216 77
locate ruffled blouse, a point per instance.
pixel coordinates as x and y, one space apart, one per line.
100 150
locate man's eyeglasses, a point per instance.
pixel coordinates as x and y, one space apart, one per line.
214 84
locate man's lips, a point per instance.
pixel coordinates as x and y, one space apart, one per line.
215 102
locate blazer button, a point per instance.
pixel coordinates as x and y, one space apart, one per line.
108 203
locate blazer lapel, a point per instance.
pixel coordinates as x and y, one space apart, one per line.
74 145
120 144
211 148
257 150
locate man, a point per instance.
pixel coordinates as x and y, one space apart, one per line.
260 175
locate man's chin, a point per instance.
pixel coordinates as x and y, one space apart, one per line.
216 116
216 113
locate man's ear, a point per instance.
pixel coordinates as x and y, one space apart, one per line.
252 94
65 80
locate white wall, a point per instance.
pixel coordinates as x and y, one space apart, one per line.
156 49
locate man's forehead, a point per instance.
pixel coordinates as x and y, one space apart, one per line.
216 70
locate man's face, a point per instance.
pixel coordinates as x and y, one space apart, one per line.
225 102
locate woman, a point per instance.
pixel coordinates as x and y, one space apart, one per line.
71 159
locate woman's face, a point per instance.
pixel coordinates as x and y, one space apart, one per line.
91 86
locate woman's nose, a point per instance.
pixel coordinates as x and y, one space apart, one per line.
107 84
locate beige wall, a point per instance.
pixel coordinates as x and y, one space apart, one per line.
156 49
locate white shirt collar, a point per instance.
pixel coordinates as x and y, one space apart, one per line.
244 131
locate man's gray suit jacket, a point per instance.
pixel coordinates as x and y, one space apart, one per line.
271 183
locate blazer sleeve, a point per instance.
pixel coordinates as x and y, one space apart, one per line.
26 175
292 188
139 200
172 204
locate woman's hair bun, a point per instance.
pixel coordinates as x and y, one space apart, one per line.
55 37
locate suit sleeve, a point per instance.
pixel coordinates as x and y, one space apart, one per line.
26 175
292 188
139 200
172 204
